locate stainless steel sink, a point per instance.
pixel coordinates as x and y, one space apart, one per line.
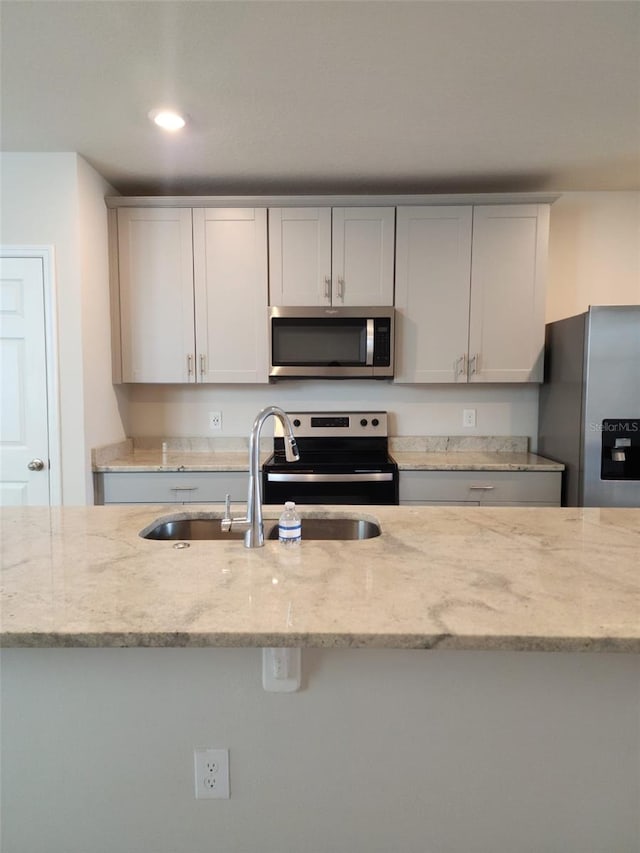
312 528
333 528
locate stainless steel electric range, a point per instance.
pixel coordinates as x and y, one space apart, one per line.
344 459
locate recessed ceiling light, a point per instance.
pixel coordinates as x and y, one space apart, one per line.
167 119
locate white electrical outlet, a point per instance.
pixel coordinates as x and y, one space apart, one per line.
215 420
468 417
211 773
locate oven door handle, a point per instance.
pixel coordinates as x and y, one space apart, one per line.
372 477
370 342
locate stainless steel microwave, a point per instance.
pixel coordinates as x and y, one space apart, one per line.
331 343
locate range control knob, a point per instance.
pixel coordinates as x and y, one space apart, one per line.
296 422
375 422
364 422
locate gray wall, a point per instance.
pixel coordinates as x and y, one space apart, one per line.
383 752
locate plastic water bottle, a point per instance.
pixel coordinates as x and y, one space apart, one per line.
289 526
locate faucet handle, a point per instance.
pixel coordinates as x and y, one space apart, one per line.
291 451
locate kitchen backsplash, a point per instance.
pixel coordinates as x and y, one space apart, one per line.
453 443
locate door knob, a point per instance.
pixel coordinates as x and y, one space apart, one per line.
36 465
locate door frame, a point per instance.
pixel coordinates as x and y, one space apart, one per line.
46 255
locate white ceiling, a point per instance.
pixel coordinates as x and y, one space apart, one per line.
287 97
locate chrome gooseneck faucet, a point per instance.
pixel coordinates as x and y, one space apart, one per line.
252 523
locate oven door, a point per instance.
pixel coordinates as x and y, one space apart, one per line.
375 487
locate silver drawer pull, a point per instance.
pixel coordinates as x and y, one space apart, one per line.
184 488
482 488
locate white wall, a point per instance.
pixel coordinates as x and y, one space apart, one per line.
594 252
415 410
56 199
384 751
102 418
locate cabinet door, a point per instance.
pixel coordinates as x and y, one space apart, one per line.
363 255
155 271
433 271
300 256
508 277
230 268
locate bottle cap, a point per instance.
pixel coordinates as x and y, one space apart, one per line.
289 505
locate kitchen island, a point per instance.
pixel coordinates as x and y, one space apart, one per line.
455 578
421 726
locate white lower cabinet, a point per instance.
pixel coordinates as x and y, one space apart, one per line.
152 487
497 488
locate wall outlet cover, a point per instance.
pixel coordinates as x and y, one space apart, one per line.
211 768
468 417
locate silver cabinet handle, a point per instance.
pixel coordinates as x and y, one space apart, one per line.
189 365
183 488
474 363
460 365
35 465
341 288
482 488
203 364
327 288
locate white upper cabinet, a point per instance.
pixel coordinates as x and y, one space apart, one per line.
230 273
363 256
299 256
433 270
508 280
325 256
155 271
192 294
470 288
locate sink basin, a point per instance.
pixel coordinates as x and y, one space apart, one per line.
312 528
333 528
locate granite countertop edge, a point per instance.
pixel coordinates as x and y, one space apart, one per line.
425 642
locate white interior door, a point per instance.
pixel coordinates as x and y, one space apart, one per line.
24 433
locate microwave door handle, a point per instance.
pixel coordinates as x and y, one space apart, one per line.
370 340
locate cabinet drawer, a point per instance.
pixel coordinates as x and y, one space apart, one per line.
173 487
496 487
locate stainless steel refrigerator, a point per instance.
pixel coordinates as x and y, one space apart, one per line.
589 407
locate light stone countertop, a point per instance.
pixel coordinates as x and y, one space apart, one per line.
431 453
473 460
177 460
447 577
